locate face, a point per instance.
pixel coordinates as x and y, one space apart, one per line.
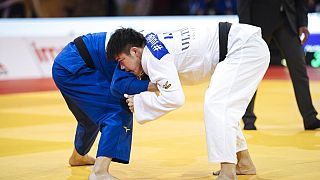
132 62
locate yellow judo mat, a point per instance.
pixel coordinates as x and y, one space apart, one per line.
37 130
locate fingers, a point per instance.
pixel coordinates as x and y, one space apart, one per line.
130 101
131 109
304 32
152 87
304 39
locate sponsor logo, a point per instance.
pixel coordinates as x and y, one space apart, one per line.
45 54
166 85
126 129
315 62
185 38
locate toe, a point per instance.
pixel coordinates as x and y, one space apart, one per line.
216 173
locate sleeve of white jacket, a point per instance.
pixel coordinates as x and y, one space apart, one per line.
149 106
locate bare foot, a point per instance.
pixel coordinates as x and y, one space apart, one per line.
78 160
227 177
240 171
228 172
100 169
105 176
244 166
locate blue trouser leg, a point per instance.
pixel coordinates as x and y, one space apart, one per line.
86 132
88 96
115 140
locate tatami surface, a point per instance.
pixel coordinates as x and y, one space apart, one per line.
37 130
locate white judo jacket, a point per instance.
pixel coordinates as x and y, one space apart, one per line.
184 57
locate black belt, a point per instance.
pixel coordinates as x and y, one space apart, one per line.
224 28
84 53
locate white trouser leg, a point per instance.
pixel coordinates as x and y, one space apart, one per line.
231 88
241 141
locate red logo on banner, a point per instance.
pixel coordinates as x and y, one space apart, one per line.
46 54
3 69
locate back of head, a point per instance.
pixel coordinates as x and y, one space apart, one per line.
122 40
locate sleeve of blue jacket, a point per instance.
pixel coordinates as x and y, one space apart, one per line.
126 83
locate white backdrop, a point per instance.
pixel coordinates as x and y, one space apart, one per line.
29 46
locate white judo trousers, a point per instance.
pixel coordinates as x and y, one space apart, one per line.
190 56
231 88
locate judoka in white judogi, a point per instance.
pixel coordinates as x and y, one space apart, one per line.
190 56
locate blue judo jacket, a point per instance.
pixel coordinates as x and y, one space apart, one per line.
98 92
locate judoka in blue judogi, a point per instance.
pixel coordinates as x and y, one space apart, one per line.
94 92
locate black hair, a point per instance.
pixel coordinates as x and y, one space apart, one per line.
122 40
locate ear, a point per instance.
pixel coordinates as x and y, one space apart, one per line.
133 50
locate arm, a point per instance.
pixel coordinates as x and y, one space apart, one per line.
127 83
302 12
302 19
147 105
244 11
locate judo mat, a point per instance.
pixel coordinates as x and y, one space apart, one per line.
37 131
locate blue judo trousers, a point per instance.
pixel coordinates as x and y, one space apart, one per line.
95 97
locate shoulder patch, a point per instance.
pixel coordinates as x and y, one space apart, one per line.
156 47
